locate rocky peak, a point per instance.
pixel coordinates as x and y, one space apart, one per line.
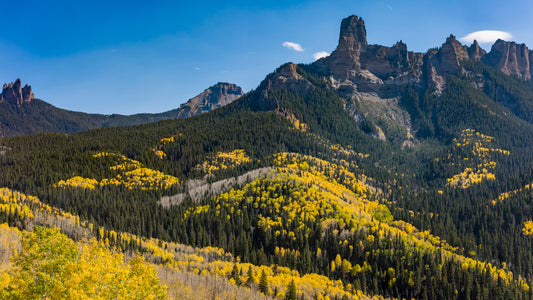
14 93
224 93
475 52
510 58
368 66
287 77
450 55
345 61
353 34
218 95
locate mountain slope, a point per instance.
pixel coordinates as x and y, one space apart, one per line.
21 113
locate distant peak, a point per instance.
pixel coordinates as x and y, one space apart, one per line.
222 88
352 34
211 98
14 93
452 40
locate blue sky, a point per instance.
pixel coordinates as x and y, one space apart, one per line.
150 56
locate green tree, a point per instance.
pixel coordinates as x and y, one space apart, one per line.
291 291
250 277
263 283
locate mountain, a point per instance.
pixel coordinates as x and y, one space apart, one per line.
14 93
215 96
221 94
21 113
391 173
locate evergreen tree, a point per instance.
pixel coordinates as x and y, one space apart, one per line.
250 277
263 283
291 291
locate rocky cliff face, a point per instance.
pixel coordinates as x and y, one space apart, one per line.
371 77
511 58
370 67
213 97
14 93
475 52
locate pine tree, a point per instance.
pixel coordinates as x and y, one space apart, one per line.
263 283
250 277
291 291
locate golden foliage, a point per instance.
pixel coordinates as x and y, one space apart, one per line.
508 194
480 165
79 182
528 228
224 160
160 154
52 266
132 175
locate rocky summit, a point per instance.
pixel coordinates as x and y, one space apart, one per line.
511 58
211 98
373 66
14 93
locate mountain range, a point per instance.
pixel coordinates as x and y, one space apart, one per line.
22 113
374 172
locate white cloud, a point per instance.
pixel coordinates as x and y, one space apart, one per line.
197 69
389 7
320 55
486 36
293 46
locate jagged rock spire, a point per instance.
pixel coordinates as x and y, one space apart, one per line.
14 93
352 34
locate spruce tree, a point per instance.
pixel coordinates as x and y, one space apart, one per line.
263 283
291 291
250 277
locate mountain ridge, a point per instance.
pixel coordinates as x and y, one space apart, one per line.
22 113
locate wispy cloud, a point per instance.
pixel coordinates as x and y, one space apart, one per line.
293 46
486 36
197 69
319 55
389 7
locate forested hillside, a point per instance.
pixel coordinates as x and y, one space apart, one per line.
318 184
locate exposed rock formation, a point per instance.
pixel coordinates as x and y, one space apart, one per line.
213 97
511 58
448 58
286 77
344 62
352 34
369 66
475 52
14 93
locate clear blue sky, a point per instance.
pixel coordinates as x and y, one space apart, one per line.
150 56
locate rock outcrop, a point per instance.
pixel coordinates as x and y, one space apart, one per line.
213 97
448 58
286 77
369 66
475 52
14 93
344 62
511 58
